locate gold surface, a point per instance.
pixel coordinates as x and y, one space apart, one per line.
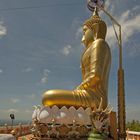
95 65
121 105
113 125
121 80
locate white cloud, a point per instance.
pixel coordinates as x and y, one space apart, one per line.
66 50
77 27
109 4
28 69
137 7
79 32
1 71
44 79
14 100
130 26
46 72
12 110
3 30
75 23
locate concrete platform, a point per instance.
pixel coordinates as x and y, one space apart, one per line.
7 137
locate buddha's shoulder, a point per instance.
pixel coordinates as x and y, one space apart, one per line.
100 43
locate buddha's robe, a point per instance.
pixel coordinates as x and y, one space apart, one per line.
95 65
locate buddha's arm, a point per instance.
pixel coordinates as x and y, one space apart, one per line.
97 63
89 83
83 71
93 76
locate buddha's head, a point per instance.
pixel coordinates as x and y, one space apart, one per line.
93 29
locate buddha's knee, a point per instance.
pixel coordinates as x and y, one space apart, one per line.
50 97
57 97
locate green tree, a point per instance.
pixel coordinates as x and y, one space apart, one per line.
134 125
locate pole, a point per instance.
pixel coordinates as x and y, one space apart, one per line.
121 88
12 123
121 95
12 116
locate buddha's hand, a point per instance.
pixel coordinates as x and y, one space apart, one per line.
83 86
89 83
79 91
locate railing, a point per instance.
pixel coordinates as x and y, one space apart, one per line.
22 130
17 131
132 135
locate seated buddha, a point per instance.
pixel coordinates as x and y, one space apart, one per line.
95 66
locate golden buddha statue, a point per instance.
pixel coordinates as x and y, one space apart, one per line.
95 65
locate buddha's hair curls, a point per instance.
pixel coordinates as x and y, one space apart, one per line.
96 20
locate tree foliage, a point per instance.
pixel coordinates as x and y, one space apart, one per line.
134 125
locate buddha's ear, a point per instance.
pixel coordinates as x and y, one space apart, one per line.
96 30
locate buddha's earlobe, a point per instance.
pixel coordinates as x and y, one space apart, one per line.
95 31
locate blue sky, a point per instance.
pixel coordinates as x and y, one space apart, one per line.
40 49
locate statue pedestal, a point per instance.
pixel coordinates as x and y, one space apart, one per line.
64 139
69 124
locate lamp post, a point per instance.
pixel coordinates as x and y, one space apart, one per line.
92 4
12 116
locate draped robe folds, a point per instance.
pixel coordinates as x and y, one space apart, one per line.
95 65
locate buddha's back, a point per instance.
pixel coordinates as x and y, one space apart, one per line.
96 62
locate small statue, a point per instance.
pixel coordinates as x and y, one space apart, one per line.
95 65
100 123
